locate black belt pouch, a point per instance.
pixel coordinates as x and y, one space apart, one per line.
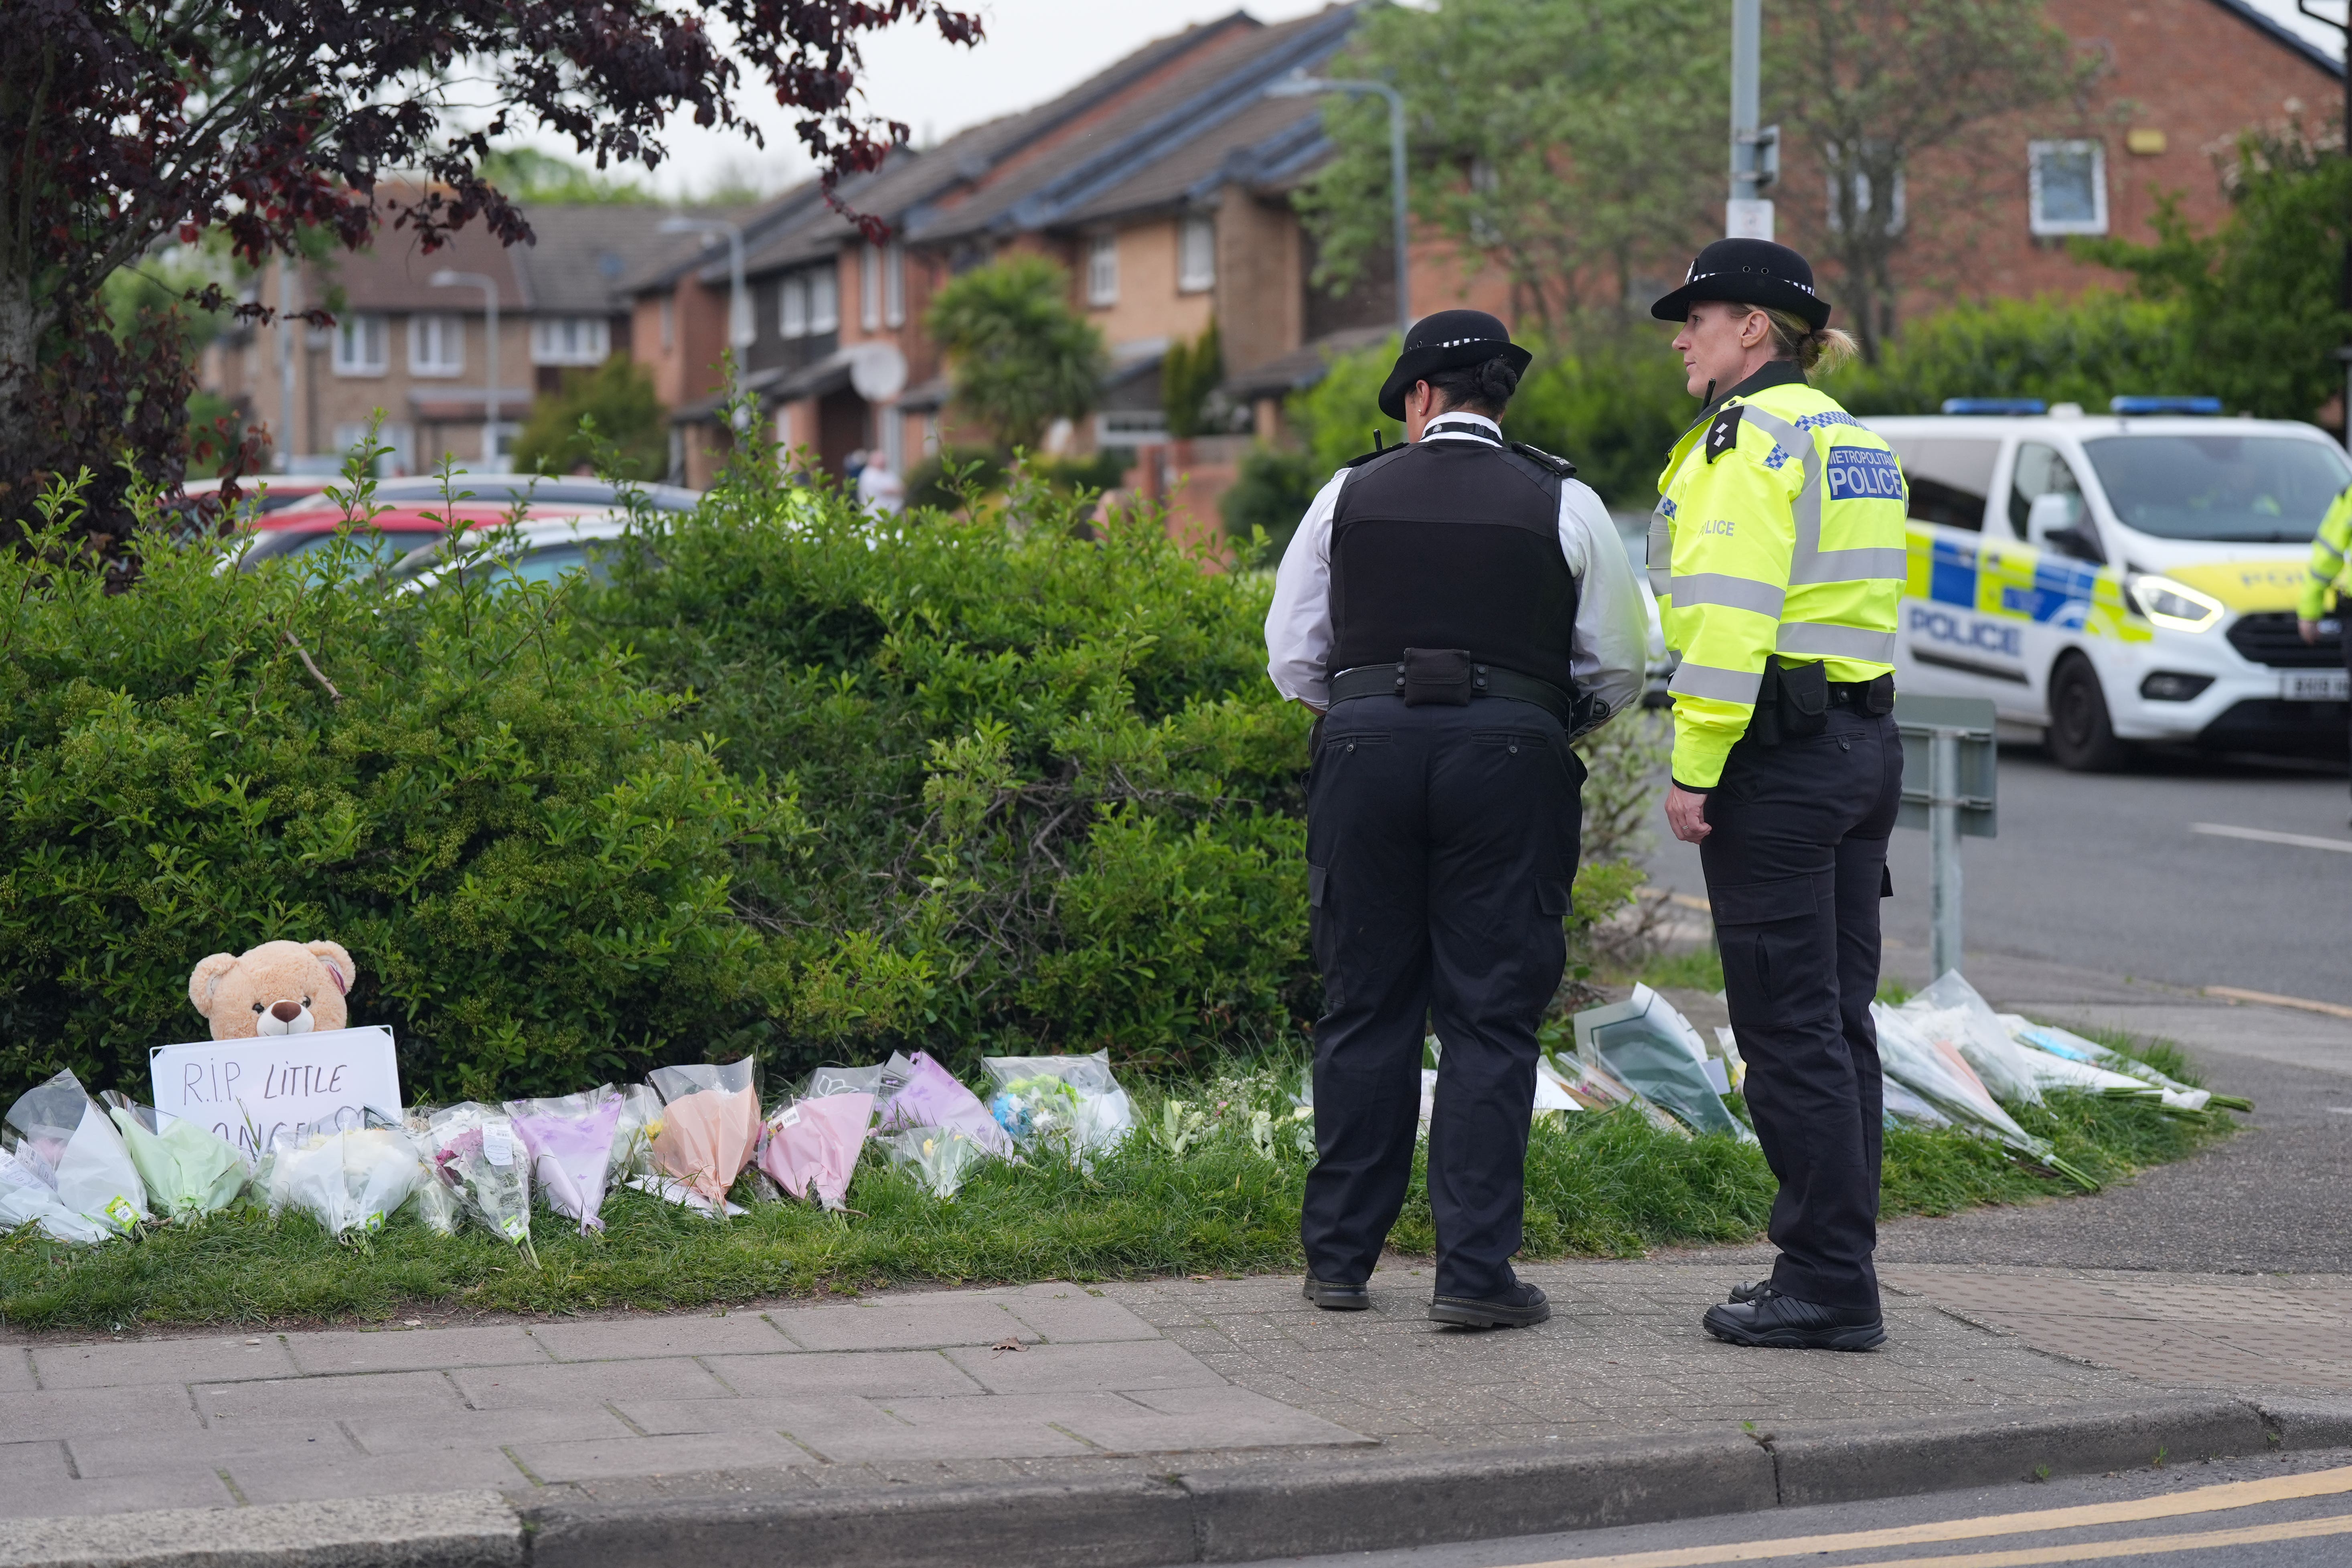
1805 691
1437 675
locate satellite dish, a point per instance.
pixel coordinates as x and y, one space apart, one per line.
877 372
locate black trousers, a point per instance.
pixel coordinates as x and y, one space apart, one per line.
1440 844
1795 868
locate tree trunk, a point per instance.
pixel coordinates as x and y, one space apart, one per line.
21 324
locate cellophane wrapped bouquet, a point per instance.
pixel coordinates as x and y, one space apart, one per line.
941 1157
1069 1105
927 1095
710 1127
189 1170
2110 1072
474 1152
349 1180
810 1146
1950 1013
569 1138
64 1143
1936 1071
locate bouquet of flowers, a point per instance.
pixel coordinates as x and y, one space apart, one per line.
67 1144
1647 1045
1950 1013
26 1197
929 1095
710 1126
941 1156
2064 1043
475 1154
188 1169
810 1146
1935 1072
1071 1104
347 1179
571 1142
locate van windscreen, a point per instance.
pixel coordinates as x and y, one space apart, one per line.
2253 490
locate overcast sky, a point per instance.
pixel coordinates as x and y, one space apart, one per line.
1036 48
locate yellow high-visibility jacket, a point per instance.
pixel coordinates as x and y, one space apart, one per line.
2323 589
1780 530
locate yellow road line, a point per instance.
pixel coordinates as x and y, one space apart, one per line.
2172 1505
2144 1546
2230 993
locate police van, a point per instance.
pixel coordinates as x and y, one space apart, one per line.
2120 578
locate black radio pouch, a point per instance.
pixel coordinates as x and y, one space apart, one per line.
1439 675
1792 703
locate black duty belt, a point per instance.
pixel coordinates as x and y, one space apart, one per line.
1484 680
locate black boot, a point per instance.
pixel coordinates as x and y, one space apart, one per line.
1783 1323
1747 1292
1336 1298
1520 1307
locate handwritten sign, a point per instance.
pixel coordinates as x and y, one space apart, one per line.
248 1091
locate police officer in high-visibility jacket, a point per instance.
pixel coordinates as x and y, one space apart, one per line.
1777 555
2326 589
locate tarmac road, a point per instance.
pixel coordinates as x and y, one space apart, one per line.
2246 1510
2110 872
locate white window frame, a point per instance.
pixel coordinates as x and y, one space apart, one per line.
571 339
1899 217
1102 270
894 284
793 307
869 288
437 344
825 301
1196 254
371 332
2097 222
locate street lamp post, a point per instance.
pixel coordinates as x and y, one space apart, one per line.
446 278
1298 84
1755 150
738 298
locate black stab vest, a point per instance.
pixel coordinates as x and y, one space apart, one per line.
1452 544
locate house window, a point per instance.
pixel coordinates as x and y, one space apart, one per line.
437 345
571 339
869 289
2069 187
825 303
1854 191
1102 270
1196 254
359 345
894 284
668 325
793 308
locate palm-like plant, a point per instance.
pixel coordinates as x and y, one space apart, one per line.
1019 356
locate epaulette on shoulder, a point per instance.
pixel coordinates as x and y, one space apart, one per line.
1543 460
1723 435
1362 458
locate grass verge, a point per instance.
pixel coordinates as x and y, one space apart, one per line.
1598 1185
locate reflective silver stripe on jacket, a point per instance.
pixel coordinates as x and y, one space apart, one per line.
1719 685
1818 639
1661 549
1811 562
1732 593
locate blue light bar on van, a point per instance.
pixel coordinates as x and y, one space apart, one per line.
1995 406
2164 405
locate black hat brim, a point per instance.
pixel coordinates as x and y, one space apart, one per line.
1745 289
1419 364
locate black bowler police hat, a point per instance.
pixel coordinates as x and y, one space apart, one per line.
1450 340
1748 272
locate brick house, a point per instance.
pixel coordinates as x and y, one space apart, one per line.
422 353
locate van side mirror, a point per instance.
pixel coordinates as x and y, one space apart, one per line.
2051 511
2075 542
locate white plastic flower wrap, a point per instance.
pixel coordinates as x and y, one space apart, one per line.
941 1156
1950 1012
2050 1039
66 1139
1937 1073
27 1198
348 1180
473 1151
189 1170
1070 1104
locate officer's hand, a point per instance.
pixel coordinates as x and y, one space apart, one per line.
2310 630
1686 815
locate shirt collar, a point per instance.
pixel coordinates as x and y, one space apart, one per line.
1776 373
1463 425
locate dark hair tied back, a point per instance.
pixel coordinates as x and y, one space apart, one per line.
1480 388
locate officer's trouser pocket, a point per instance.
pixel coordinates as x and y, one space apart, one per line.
1779 941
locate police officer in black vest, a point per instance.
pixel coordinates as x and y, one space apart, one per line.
1457 608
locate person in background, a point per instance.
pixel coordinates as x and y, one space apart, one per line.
1778 552
1458 609
2319 605
879 490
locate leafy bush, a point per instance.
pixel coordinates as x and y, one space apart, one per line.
1612 403
618 398
530 873
1272 492
2085 350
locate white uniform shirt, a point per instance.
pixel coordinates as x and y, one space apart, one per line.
1608 647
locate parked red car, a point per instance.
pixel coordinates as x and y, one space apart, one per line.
389 536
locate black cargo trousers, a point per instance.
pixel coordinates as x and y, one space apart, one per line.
1795 865
1440 844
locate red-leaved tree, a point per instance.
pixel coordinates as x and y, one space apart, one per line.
125 122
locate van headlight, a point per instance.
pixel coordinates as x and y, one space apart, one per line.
2174 604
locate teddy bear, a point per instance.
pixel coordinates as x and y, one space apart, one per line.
278 988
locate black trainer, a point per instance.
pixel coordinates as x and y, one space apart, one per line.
1520 1307
1336 1298
1783 1323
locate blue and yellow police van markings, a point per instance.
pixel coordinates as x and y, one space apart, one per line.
2019 583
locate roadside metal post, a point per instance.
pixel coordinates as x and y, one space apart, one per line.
1950 771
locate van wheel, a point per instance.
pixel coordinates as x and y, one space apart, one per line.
2080 738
